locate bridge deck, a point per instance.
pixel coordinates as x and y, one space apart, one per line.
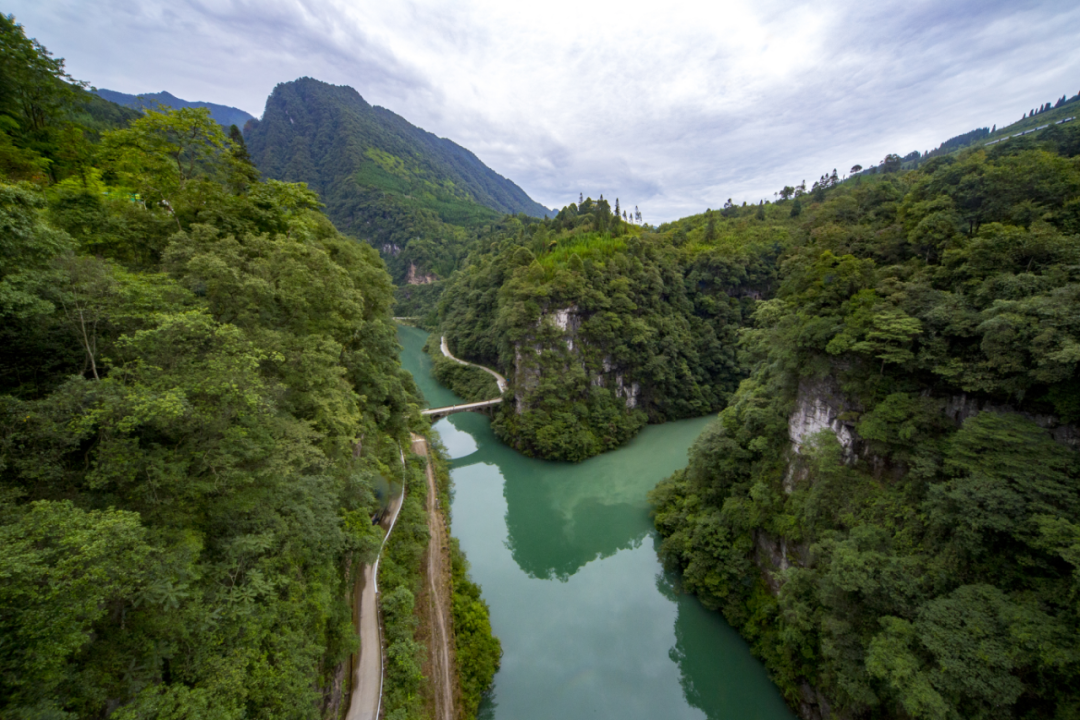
451 409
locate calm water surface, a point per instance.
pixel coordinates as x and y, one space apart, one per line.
590 624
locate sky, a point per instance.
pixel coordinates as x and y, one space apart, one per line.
670 106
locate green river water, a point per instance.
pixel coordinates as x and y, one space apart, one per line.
590 623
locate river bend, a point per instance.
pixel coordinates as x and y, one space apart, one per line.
590 623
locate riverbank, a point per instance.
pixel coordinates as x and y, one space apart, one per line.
436 622
460 654
591 624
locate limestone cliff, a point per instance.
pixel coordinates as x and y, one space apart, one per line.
559 330
821 406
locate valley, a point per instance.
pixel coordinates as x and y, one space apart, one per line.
324 418
589 620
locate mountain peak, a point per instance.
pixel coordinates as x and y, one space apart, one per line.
383 179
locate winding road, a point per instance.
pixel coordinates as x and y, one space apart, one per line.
499 379
366 699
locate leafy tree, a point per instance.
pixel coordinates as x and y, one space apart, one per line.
918 558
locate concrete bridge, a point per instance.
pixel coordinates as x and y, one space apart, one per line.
439 413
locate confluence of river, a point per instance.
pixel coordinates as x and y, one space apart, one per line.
591 624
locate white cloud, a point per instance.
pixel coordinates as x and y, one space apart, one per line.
673 107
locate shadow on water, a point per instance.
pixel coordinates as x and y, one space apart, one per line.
611 638
416 361
559 516
727 684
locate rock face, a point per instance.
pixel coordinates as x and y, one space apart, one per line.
961 407
416 278
821 406
818 406
565 325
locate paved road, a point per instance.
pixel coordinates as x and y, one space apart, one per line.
499 379
366 699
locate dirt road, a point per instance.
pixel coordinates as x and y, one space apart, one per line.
366 699
438 587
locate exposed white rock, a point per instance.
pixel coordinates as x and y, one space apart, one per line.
416 278
814 413
562 318
629 394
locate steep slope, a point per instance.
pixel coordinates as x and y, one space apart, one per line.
601 326
887 507
224 115
384 180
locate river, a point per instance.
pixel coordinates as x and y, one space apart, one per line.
590 623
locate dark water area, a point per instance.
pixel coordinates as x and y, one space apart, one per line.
591 624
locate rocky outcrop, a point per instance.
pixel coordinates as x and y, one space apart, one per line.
568 321
822 406
960 407
416 278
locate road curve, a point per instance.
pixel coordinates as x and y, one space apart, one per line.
499 379
366 699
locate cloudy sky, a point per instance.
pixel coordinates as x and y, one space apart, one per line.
672 106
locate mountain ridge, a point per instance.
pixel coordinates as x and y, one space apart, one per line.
224 115
411 194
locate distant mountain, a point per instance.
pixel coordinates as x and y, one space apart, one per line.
409 193
223 114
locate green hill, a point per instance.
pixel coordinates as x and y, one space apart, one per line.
222 114
407 192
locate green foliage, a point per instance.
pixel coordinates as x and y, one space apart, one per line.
47 119
600 333
399 582
420 302
929 568
199 386
417 198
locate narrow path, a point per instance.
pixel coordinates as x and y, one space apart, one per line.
366 698
499 379
438 578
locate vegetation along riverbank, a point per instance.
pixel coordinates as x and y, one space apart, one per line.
200 397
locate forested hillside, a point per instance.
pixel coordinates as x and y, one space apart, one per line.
200 398
602 326
223 115
414 196
887 508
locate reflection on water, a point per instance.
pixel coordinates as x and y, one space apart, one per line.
416 361
590 624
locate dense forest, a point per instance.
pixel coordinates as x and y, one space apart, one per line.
415 197
200 404
602 325
887 507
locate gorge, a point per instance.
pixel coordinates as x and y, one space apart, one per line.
590 622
